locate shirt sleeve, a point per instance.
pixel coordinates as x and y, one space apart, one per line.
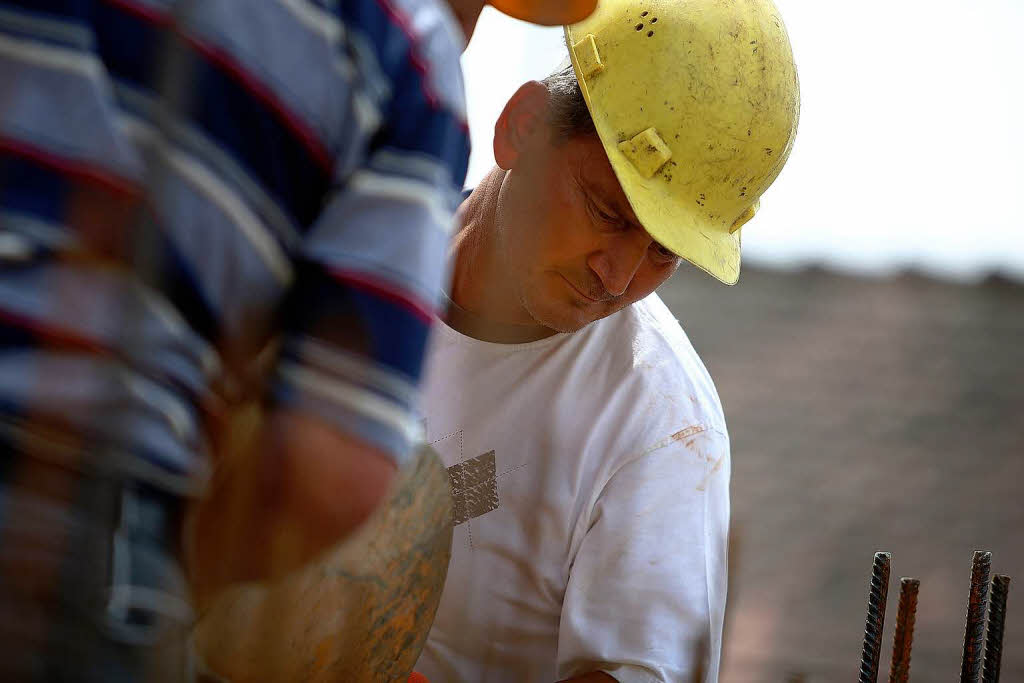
645 599
370 271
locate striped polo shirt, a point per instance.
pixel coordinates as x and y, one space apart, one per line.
186 185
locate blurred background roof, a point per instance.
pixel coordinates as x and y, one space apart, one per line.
865 414
911 138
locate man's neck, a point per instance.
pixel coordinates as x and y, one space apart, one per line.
485 306
484 329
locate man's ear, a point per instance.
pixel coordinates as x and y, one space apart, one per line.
521 122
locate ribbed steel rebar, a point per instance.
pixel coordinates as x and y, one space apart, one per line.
877 594
996 623
903 637
970 669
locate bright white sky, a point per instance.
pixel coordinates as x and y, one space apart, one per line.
911 143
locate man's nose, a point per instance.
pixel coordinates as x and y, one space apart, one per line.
618 262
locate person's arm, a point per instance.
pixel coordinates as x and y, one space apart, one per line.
282 494
646 593
341 413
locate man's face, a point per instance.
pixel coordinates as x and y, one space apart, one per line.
571 238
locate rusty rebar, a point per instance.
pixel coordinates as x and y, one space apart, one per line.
996 623
878 592
903 636
970 669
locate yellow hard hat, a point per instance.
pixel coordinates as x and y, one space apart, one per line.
546 12
696 103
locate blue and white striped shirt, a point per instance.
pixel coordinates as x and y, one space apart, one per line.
182 182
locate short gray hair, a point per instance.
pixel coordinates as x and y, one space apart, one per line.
568 112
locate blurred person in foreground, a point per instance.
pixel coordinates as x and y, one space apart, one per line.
585 440
182 184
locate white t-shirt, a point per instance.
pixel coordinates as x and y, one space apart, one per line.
591 480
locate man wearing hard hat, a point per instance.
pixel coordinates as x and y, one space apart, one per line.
585 441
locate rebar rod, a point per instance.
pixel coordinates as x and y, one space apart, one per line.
970 668
903 637
996 623
877 594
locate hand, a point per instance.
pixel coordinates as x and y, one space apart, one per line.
285 488
359 612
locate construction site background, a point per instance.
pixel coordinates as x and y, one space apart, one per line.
865 414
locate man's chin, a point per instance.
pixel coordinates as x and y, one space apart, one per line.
567 328
571 319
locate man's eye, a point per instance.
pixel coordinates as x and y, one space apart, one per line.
662 254
604 217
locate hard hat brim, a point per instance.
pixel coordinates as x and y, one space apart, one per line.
545 12
716 252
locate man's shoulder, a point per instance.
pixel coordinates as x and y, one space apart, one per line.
651 344
649 352
659 333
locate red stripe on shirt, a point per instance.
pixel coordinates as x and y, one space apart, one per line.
386 291
76 169
227 63
52 335
402 22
